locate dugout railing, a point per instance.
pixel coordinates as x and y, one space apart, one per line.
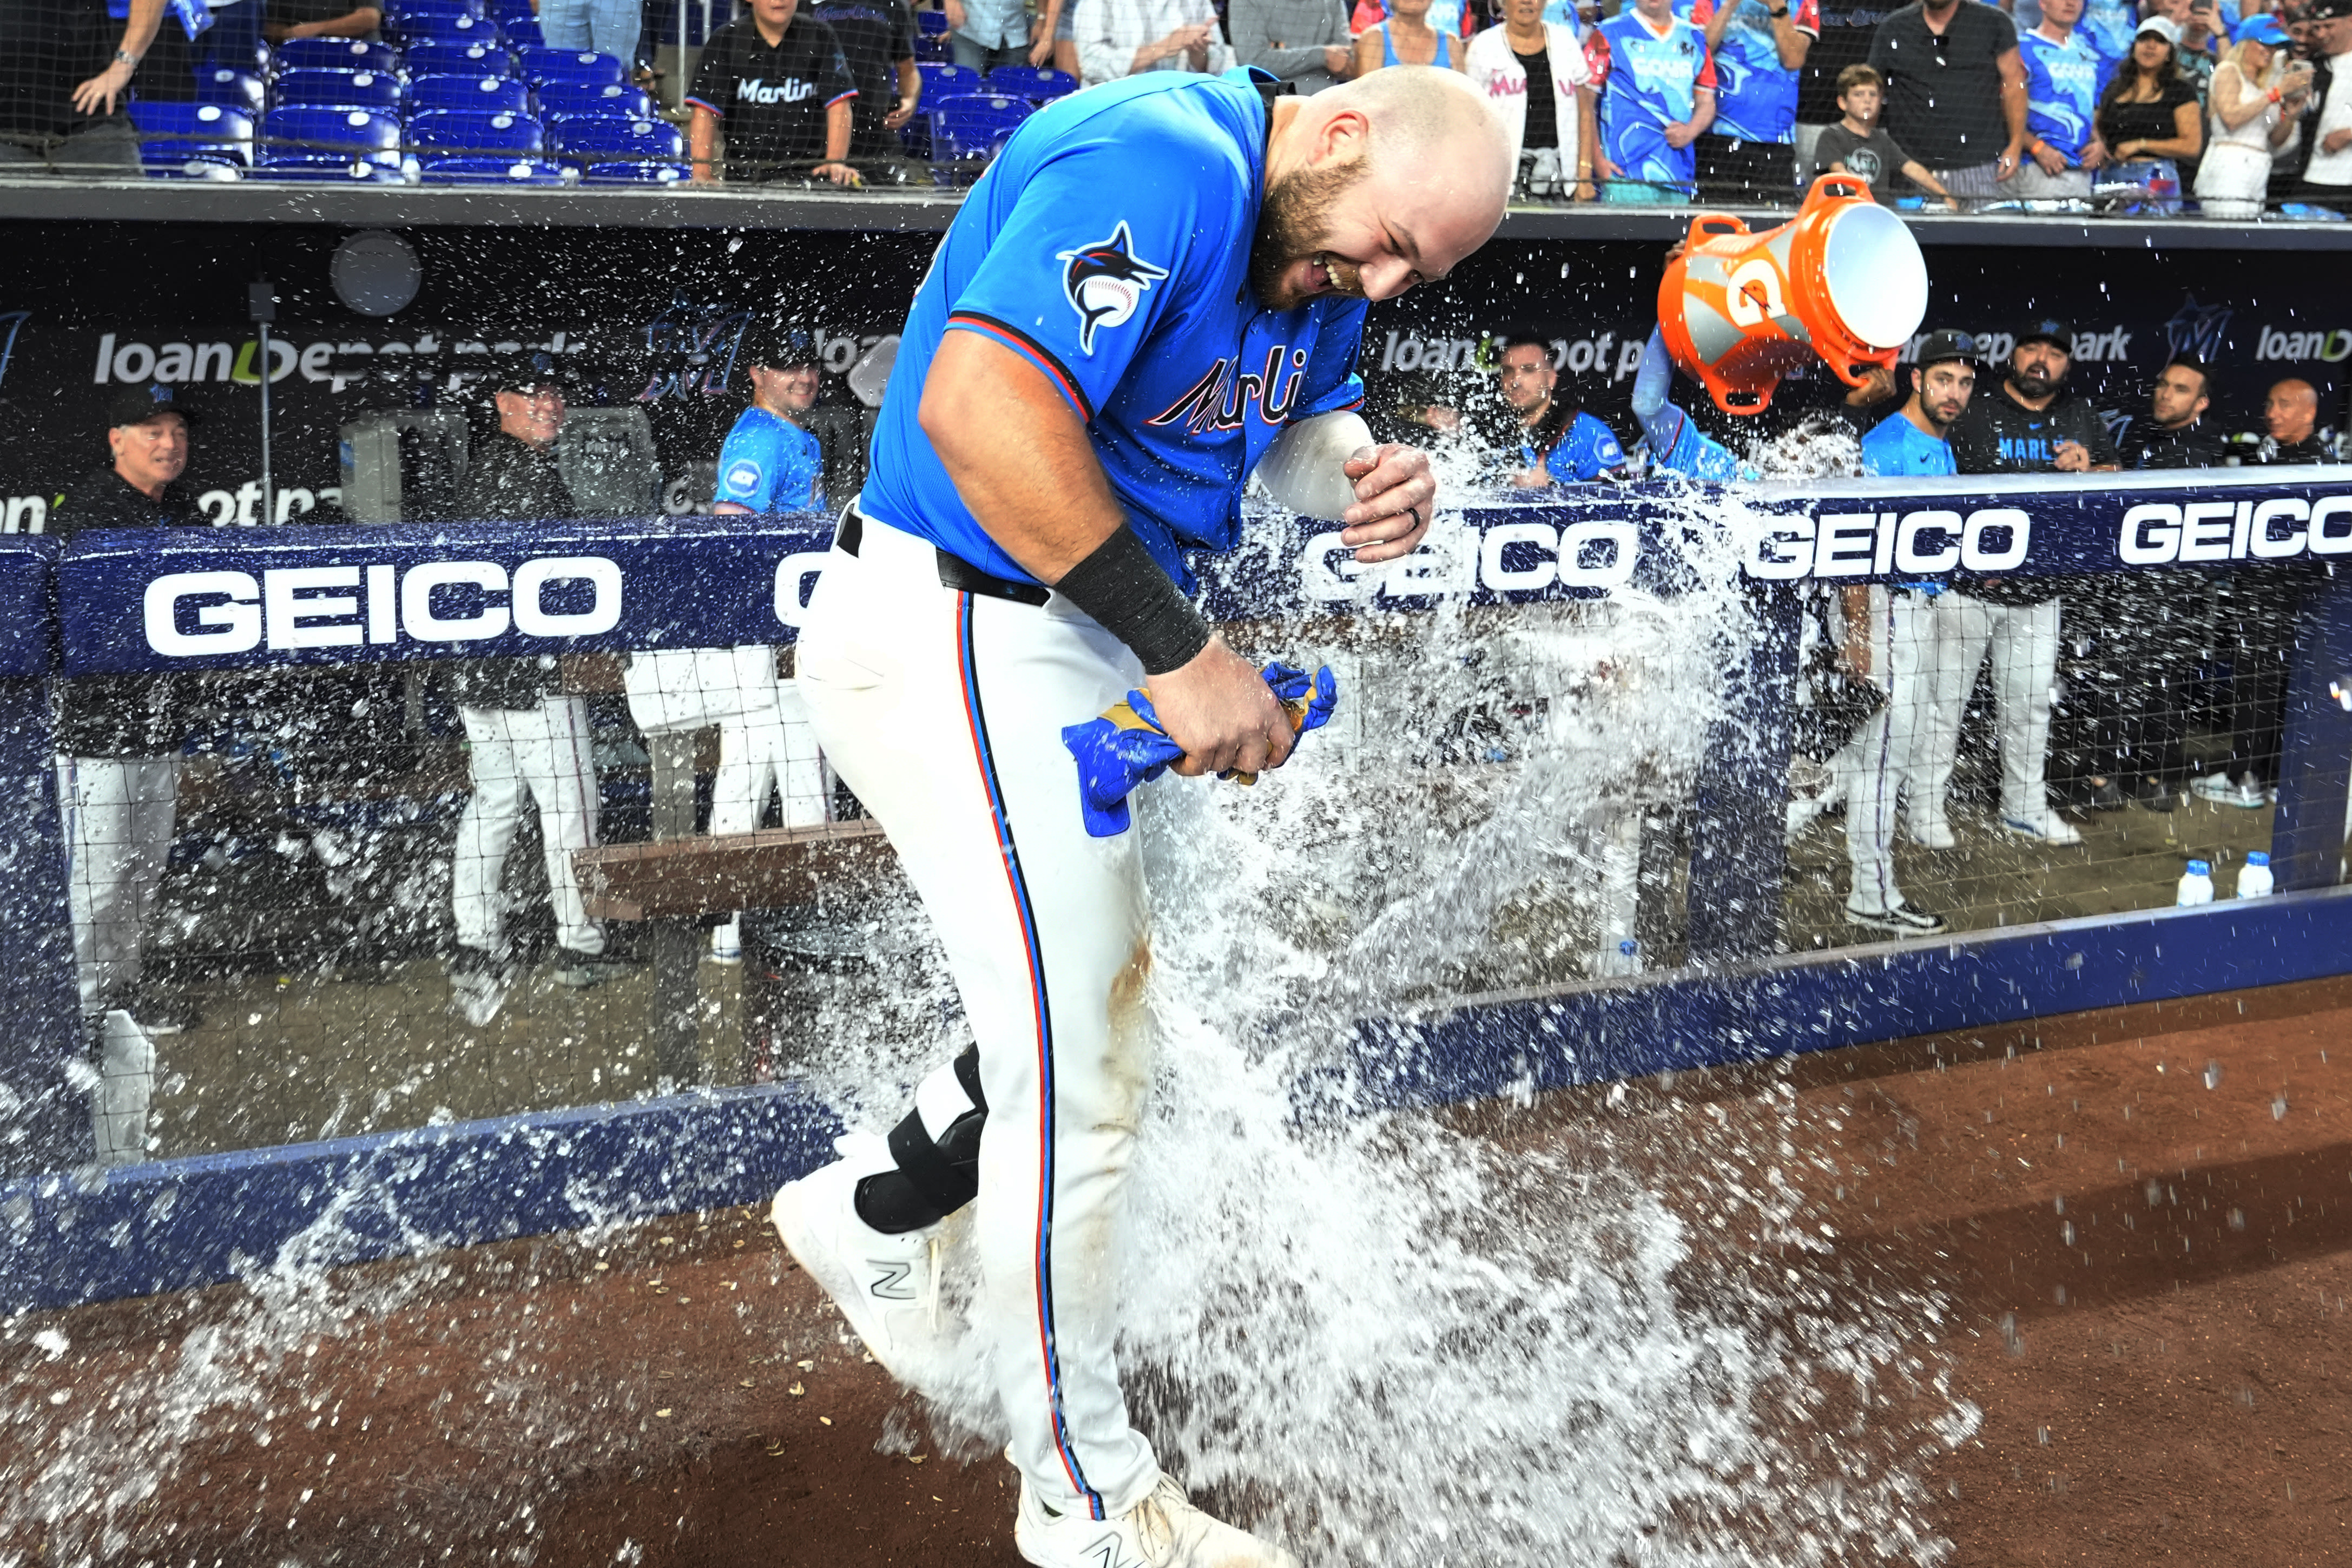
1690 947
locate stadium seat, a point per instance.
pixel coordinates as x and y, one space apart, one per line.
441 56
1029 83
427 19
475 94
968 131
226 85
633 145
931 49
188 166
478 171
463 30
356 172
334 54
933 23
522 32
542 66
310 136
458 131
174 134
946 81
337 89
583 100
635 174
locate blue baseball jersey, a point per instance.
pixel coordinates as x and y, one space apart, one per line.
770 464
1586 450
1654 82
2107 26
1898 446
2062 91
1755 94
1109 245
1679 446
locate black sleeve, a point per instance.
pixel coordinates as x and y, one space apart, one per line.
711 78
1881 48
2093 435
834 81
2004 31
1973 447
903 38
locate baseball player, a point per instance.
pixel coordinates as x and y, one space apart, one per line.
771 463
1157 287
524 736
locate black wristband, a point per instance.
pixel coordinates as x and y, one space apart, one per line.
1122 587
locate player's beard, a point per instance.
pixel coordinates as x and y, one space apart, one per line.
2033 383
1292 228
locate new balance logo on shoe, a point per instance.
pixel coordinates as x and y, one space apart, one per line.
893 1282
1106 1555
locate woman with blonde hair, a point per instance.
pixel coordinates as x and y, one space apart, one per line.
2255 104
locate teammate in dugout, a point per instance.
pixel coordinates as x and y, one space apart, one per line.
1158 287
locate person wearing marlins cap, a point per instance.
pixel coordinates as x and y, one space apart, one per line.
118 736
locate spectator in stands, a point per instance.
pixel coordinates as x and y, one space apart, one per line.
1120 38
524 736
608 26
64 76
779 85
2173 433
1304 42
118 736
2062 75
1409 38
1750 154
1658 99
1858 145
1955 92
2291 416
2203 35
2149 116
1558 442
2324 173
333 20
985 34
2256 103
877 40
1535 73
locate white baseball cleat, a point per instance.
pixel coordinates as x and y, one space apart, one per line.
2046 826
1163 1531
886 1286
1929 828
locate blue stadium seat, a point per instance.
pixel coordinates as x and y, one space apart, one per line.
968 131
458 130
542 66
635 174
425 18
622 150
458 30
946 81
522 32
335 55
475 94
309 136
933 23
931 49
442 56
174 134
356 172
602 101
476 171
227 85
338 90
1029 83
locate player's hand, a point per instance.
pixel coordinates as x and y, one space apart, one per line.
97 95
2073 458
1395 496
839 174
1221 710
1877 386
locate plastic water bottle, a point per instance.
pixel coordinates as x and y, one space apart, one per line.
2196 885
2254 877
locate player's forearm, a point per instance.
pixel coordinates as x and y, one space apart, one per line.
702 143
836 132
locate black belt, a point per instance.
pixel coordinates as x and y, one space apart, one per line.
955 572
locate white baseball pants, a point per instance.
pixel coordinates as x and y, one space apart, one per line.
763 750
1875 765
544 752
944 711
2022 641
118 831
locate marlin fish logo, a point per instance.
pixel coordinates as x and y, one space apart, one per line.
1105 281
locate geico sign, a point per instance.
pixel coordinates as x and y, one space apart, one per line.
1874 544
1598 554
192 615
2273 530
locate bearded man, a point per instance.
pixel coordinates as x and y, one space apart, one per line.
1157 289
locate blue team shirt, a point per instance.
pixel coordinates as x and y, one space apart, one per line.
2062 91
1899 447
1691 452
1586 450
1755 94
1654 82
1109 245
2107 26
770 464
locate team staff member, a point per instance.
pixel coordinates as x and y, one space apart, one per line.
780 85
118 736
1760 47
770 464
2174 435
523 735
1560 443
1054 438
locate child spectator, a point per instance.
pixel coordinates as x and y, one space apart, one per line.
1857 144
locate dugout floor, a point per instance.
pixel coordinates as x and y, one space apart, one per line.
2142 1216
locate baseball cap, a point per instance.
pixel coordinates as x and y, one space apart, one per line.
2047 330
2330 10
138 404
1947 344
532 368
2263 27
2164 28
779 346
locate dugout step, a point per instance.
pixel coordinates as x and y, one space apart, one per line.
689 878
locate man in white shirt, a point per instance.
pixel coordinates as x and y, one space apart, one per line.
1121 37
2327 168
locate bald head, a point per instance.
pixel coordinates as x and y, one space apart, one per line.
1377 184
2292 411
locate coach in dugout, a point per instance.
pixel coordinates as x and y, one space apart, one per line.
118 736
1050 447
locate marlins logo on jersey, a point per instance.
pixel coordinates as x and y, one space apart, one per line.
1105 282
